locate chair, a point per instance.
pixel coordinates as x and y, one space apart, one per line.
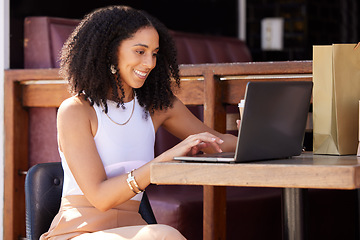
43 189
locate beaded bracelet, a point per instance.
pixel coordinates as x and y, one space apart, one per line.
131 181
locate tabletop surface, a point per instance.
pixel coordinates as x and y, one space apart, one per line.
304 171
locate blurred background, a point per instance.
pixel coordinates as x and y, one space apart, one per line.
304 23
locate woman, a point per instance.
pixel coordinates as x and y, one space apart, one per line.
120 63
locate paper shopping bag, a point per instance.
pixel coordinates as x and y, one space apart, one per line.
358 151
336 94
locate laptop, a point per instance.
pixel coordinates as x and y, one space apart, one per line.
272 126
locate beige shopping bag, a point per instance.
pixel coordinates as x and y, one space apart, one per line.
358 151
336 94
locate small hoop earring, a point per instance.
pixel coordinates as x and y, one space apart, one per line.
112 69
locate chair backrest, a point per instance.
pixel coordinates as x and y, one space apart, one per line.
194 48
43 189
44 37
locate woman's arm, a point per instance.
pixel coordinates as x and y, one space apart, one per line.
182 123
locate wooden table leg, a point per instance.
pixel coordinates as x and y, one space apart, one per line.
214 226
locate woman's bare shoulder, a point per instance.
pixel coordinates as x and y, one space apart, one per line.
75 104
75 108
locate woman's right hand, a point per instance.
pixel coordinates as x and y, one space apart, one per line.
193 144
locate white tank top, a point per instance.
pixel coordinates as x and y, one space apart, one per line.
122 148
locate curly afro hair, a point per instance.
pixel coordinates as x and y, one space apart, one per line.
91 50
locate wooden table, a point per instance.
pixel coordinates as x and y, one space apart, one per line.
294 175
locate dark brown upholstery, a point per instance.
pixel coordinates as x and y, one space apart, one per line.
196 48
44 37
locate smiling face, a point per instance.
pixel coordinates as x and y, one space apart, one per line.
136 58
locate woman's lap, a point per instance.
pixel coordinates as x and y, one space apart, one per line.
78 219
144 232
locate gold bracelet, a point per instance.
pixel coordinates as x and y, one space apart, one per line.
128 180
134 181
131 180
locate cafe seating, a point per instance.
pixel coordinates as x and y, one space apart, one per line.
43 188
252 213
178 206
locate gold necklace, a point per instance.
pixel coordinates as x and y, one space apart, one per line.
126 120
